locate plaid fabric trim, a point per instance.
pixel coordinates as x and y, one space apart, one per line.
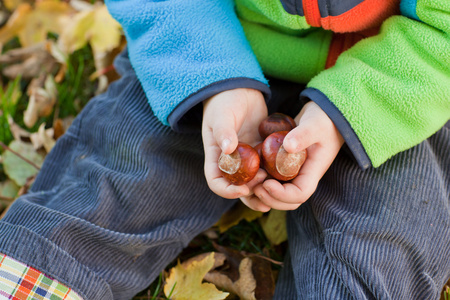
21 282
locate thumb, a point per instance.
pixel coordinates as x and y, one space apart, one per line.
301 137
225 134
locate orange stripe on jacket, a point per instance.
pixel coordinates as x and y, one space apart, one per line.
366 15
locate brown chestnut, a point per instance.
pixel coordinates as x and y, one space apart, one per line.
278 162
275 122
258 149
240 166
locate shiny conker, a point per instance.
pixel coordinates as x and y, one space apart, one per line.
275 122
240 166
258 149
279 163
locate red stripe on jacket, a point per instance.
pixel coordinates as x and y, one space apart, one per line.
366 15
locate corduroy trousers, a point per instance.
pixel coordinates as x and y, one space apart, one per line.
120 195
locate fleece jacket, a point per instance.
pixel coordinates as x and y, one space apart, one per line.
379 69
385 82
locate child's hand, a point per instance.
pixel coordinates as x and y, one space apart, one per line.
317 133
229 117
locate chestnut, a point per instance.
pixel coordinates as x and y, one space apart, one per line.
240 166
258 149
275 122
278 162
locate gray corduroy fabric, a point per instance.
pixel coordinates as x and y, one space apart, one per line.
121 195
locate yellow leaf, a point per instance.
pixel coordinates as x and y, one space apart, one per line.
95 26
274 226
47 16
185 282
236 214
106 32
15 23
12 4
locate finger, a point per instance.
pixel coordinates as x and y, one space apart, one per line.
224 132
259 178
270 201
304 185
225 189
289 193
254 203
301 137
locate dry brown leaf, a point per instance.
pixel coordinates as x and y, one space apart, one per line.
60 126
18 132
247 275
236 214
185 282
43 138
28 62
244 287
60 57
42 100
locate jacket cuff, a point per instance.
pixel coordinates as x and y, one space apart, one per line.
347 132
187 116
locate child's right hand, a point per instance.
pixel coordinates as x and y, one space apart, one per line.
229 117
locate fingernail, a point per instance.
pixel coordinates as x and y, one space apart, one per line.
291 143
225 143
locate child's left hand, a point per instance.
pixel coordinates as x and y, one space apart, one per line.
318 134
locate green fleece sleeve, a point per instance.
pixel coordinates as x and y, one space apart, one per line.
289 57
394 88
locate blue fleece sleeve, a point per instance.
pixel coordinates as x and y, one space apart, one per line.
182 50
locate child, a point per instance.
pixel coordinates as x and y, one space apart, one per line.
122 193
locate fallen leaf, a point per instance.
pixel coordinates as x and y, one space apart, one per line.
31 24
29 62
43 138
185 282
13 4
47 16
42 100
244 287
16 168
18 132
96 27
265 282
104 34
274 226
235 215
219 259
247 275
60 57
61 125
8 189
15 23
